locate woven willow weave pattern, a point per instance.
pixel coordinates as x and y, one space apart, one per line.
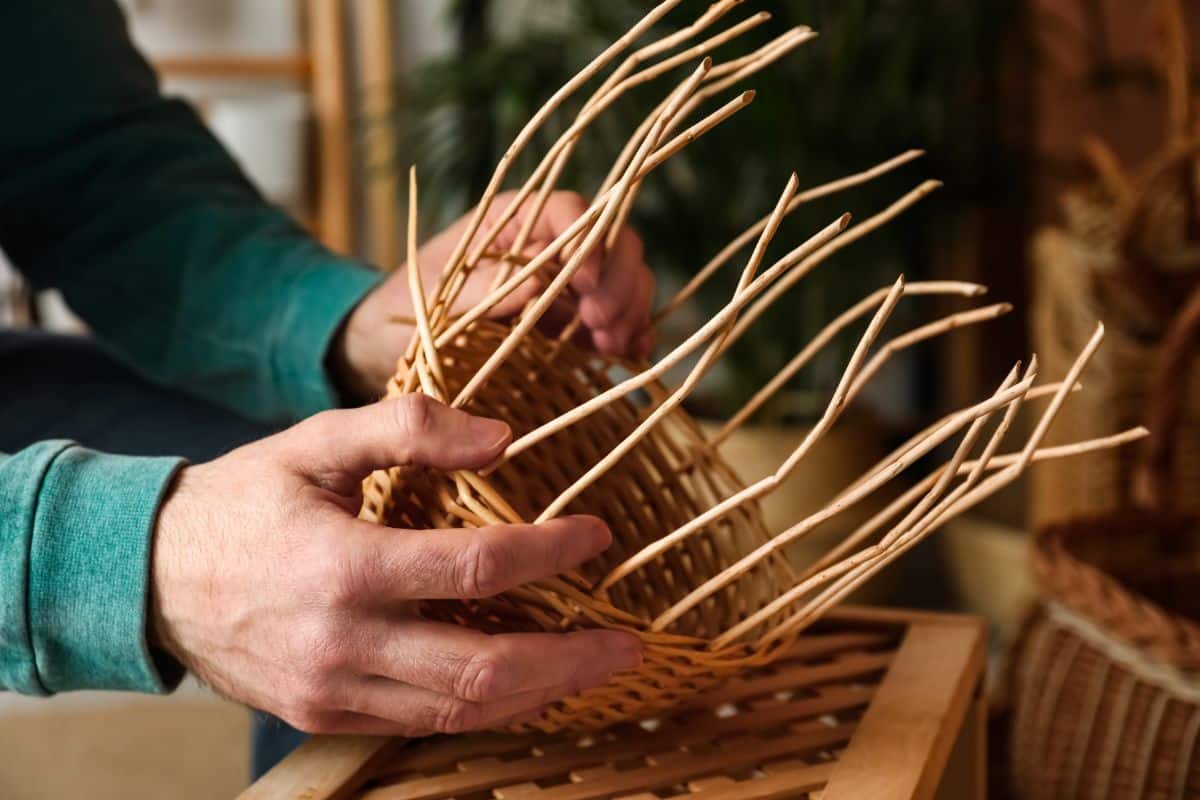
693 570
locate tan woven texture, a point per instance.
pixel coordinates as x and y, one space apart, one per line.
1128 253
1107 670
693 570
1106 683
1069 298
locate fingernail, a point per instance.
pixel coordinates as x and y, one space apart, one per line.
492 431
627 651
601 536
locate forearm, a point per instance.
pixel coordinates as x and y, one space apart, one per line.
75 540
122 199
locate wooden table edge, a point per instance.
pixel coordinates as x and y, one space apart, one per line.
904 740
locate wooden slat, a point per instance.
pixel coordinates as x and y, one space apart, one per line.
818 645
795 677
904 738
374 34
289 67
324 768
326 32
784 785
812 737
561 758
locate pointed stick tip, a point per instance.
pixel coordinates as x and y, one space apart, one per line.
748 96
1140 432
706 64
977 290
844 220
763 16
1003 308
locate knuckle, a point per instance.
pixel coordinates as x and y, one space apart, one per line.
307 720
309 708
454 716
479 678
572 200
314 691
414 414
601 311
326 653
320 427
339 578
483 569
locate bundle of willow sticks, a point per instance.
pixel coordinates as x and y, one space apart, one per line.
693 570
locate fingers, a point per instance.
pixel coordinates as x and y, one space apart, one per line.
616 290
629 333
479 668
469 563
337 448
350 722
505 679
379 707
561 212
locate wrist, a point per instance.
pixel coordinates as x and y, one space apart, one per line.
168 580
357 363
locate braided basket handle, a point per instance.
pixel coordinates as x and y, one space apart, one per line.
1152 485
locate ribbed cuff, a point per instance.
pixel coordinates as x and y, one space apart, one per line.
21 477
317 304
89 571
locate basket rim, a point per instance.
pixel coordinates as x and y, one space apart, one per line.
1103 597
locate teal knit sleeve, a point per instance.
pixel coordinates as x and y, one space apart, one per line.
121 198
75 534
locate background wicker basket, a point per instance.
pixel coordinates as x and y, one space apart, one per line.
1106 674
1129 253
1079 279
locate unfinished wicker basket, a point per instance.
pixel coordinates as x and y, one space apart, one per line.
693 570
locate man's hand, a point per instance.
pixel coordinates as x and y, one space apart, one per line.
615 291
267 587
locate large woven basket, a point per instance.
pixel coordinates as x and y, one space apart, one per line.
1079 280
1128 253
1107 670
693 570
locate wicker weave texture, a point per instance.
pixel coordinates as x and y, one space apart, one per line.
1106 677
693 570
1069 297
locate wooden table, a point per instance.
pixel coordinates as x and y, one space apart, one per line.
871 703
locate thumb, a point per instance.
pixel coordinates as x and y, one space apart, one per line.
340 447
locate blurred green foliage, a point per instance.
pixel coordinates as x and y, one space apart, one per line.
883 76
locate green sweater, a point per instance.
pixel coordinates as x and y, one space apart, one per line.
121 199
